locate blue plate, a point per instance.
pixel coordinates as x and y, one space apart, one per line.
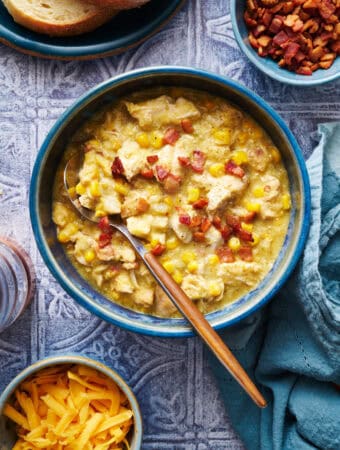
127 29
269 66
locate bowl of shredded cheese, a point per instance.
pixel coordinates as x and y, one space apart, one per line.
69 402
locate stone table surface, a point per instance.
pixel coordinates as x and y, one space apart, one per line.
177 393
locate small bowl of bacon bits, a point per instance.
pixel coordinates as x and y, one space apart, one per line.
69 402
295 42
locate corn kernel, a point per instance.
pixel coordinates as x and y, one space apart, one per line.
188 256
115 295
240 157
223 136
253 206
168 201
275 154
72 191
214 289
89 256
121 188
192 266
242 137
94 189
213 260
169 266
286 204
172 243
193 194
71 228
63 237
234 244
143 140
156 139
100 213
256 239
80 189
216 170
178 277
258 191
154 242
247 227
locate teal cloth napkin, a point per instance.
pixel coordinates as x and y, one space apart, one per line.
292 348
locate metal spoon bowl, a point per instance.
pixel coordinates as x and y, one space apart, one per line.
183 303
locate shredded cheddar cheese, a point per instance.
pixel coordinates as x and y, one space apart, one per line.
70 407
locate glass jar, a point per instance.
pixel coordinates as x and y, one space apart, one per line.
16 282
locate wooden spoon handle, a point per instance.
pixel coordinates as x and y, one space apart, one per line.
204 329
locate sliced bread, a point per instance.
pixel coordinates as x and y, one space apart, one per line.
119 4
59 17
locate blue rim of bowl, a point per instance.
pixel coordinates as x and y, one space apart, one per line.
298 80
78 359
50 51
140 327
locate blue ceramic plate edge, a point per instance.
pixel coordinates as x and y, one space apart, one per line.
304 81
87 97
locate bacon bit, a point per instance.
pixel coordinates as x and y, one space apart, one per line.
184 219
158 250
142 205
200 203
152 159
225 255
171 136
217 222
187 126
291 52
205 225
196 221
281 38
198 236
198 161
244 235
304 70
233 221
172 183
246 253
147 173
233 169
184 161
104 239
226 232
248 217
276 24
162 173
117 168
104 225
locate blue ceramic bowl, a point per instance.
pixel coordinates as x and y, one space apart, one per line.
7 428
267 65
54 145
124 31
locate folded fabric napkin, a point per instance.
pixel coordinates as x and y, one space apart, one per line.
292 348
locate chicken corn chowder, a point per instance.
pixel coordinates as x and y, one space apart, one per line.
191 175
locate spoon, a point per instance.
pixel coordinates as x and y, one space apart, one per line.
183 303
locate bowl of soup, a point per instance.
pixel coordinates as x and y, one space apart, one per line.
200 169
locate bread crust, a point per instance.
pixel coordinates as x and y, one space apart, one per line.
119 4
94 19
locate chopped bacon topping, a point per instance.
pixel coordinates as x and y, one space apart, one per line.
217 222
226 231
244 235
205 225
249 217
246 253
117 168
171 136
187 126
162 173
104 225
198 161
172 183
158 250
233 169
184 161
233 221
199 236
225 255
152 159
142 205
196 221
104 239
200 203
147 173
184 219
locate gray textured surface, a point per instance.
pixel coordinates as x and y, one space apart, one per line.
179 399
